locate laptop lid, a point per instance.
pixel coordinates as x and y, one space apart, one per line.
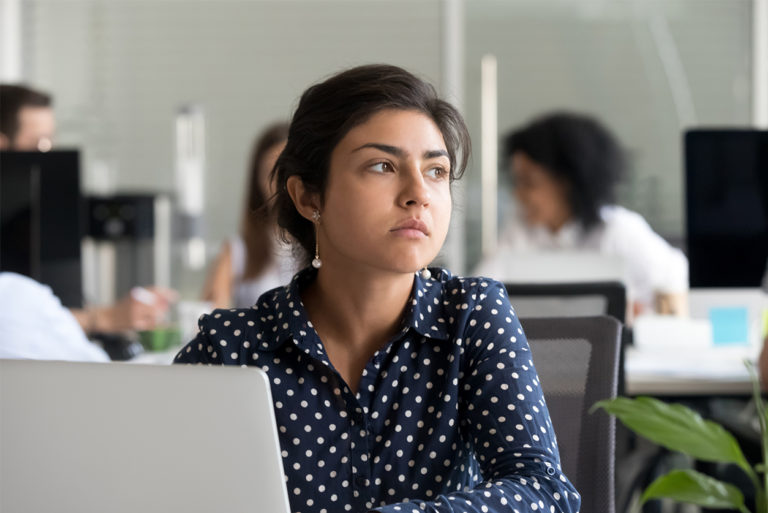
124 438
559 266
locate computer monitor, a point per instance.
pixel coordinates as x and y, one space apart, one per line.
41 220
726 174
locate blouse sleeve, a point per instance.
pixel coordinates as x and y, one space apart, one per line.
203 348
506 419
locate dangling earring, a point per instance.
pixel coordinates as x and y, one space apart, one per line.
425 274
316 262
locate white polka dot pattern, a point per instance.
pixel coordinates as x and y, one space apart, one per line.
449 415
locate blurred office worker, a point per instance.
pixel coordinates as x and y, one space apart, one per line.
255 260
564 169
26 119
27 123
37 326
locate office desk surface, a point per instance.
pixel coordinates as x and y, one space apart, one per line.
156 357
711 371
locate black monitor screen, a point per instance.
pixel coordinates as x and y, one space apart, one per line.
41 220
727 207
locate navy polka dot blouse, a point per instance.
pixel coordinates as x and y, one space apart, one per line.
449 415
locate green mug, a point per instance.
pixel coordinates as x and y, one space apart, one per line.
160 339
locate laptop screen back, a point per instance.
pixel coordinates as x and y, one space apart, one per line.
126 438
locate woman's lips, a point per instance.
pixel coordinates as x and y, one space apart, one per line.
409 233
411 229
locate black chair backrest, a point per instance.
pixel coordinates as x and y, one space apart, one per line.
569 299
577 360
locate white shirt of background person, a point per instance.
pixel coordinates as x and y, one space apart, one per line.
35 325
652 265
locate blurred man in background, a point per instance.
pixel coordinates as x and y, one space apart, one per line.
27 123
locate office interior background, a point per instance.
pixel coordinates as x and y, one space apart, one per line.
122 73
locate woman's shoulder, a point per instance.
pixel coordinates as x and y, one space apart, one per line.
460 289
625 228
477 314
621 218
255 327
448 280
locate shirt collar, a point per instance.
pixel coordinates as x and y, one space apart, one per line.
568 236
282 314
427 313
284 318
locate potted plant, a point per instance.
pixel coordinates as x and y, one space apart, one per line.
679 428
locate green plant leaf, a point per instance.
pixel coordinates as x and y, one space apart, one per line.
762 417
695 488
676 427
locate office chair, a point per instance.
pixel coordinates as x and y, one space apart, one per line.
577 359
569 299
574 300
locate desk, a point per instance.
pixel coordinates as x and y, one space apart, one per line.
711 371
677 356
687 381
157 357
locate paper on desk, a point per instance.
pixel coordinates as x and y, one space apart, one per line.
681 347
711 363
654 332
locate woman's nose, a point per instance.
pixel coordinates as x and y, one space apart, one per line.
415 191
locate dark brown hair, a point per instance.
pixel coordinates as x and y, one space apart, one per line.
256 222
12 99
330 109
579 150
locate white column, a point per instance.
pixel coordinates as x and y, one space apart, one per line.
190 181
489 148
453 91
760 63
10 41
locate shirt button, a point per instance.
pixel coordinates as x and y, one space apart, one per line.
550 471
360 481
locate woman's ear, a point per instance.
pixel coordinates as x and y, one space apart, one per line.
306 202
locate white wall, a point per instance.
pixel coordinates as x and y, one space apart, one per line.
119 69
647 68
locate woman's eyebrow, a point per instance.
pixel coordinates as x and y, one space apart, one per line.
386 148
400 153
433 154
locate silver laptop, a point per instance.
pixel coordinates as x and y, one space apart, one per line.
137 438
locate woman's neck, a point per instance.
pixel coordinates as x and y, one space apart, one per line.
355 313
358 308
558 221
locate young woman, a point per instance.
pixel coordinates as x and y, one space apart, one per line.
255 260
564 169
396 387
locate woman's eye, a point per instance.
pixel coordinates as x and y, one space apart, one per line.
381 167
437 172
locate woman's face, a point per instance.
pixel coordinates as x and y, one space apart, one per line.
542 197
387 204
